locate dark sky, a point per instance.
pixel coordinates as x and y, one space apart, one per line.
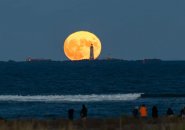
128 29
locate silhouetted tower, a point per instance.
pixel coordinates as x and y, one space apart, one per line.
91 52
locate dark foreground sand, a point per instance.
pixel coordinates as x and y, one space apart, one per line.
125 123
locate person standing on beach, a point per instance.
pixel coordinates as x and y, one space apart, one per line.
143 111
135 112
83 112
154 112
169 112
71 114
182 113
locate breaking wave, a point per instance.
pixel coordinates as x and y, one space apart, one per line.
70 98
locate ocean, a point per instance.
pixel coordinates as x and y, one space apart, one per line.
109 88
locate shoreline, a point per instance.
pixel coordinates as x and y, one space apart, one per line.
122 123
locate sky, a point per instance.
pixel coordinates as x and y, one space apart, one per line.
128 29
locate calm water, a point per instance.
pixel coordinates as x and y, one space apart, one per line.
108 88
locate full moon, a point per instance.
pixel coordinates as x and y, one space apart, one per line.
77 45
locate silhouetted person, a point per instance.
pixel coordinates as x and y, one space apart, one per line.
71 114
154 112
83 112
169 112
143 111
135 112
182 113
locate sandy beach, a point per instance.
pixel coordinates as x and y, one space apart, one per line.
124 123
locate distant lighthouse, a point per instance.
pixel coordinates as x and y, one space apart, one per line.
91 52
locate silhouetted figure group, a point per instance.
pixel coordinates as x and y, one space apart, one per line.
142 112
137 112
83 113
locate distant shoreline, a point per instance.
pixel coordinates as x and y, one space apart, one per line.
99 60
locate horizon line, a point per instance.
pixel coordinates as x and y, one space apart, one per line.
106 59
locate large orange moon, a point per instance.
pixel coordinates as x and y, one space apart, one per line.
77 45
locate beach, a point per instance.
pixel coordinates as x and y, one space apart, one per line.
38 96
122 123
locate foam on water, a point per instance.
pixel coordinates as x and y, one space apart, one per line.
70 98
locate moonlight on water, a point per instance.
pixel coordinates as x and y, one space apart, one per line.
77 45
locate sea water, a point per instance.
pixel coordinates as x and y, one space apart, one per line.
108 88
